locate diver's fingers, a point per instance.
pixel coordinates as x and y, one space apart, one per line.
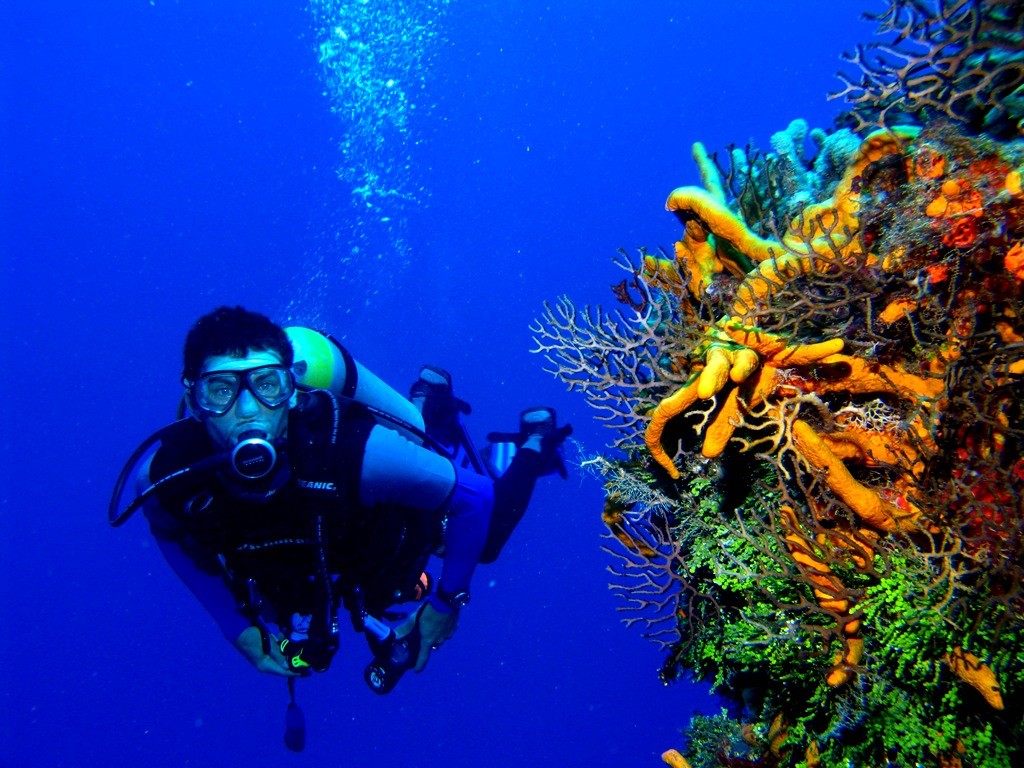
406 626
423 658
273 666
276 663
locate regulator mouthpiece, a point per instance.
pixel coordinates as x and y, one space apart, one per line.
254 456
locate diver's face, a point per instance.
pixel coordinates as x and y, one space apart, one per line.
247 413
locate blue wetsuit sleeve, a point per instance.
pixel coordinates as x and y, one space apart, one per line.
201 573
398 471
199 569
469 516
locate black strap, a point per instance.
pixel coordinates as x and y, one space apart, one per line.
162 475
348 389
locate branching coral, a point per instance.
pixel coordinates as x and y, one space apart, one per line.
961 60
818 502
628 354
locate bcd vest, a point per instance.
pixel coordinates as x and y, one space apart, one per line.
278 540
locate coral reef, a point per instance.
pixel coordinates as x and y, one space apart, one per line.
961 60
818 404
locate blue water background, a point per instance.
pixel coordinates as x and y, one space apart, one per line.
161 158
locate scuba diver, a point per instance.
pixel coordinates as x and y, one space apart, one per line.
296 484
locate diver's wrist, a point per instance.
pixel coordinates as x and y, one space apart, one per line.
447 602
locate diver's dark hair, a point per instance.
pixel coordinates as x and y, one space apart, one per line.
233 331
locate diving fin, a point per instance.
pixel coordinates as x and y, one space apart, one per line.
434 395
537 421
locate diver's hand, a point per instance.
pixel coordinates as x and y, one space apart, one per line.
250 643
434 628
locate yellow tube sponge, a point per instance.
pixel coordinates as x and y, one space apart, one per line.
777 349
672 758
717 435
842 671
977 674
865 503
668 408
703 215
866 377
721 429
770 273
715 373
709 175
828 226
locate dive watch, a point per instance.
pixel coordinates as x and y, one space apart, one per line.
454 600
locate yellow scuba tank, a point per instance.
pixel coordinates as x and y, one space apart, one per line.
321 362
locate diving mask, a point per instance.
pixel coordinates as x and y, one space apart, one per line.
214 392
